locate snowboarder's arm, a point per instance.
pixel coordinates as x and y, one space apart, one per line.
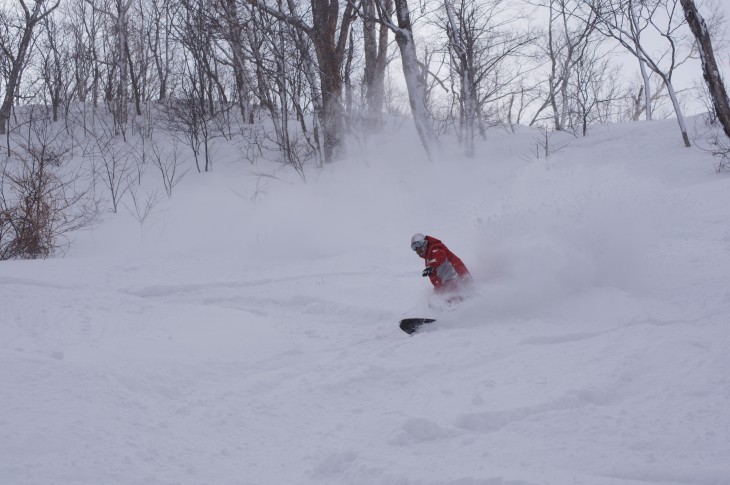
436 257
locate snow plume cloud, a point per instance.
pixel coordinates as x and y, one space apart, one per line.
566 230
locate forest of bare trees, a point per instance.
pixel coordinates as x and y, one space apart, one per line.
300 78
317 69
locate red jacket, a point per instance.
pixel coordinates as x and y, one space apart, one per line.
449 271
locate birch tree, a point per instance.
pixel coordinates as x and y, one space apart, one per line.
569 36
118 62
84 28
403 30
710 69
631 21
466 77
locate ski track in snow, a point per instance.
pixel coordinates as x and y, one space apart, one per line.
605 368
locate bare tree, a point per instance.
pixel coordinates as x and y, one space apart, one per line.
118 65
230 25
42 196
328 33
192 123
55 69
112 159
464 68
16 46
569 36
289 68
84 29
142 205
488 52
403 30
307 67
710 69
518 102
595 90
375 43
160 41
168 163
199 109
627 21
138 55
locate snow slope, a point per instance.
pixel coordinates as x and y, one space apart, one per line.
247 334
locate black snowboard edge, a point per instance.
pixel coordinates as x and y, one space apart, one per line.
410 325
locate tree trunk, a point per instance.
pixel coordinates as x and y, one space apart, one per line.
381 62
414 83
136 91
122 94
333 121
642 63
647 89
466 77
235 41
370 48
375 47
710 70
678 111
329 46
330 50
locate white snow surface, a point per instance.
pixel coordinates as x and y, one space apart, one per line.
248 332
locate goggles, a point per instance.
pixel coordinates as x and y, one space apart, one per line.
418 245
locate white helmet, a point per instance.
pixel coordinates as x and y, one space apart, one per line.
418 242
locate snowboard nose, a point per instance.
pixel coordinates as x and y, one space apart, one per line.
410 325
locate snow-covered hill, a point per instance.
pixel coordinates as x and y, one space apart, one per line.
247 334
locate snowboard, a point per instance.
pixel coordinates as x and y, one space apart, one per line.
410 325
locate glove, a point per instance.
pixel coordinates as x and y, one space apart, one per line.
428 271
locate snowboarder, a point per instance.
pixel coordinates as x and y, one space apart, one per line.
445 270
